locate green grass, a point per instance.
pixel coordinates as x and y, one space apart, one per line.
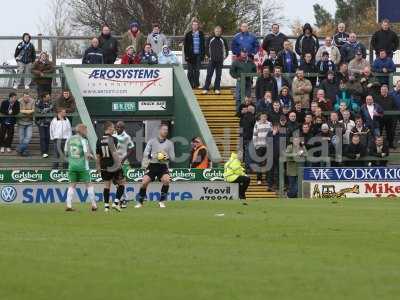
272 249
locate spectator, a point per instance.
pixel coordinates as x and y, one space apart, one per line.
307 42
372 114
349 50
42 71
242 65
300 113
333 51
331 87
358 64
148 57
341 36
199 158
384 65
343 74
194 51
272 61
379 149
324 103
247 122
244 40
25 124
385 39
234 173
285 99
295 153
362 131
264 83
156 39
134 37
292 124
369 83
306 134
327 139
259 59
274 137
325 65
109 45
355 151
280 80
344 96
44 107
302 88
216 51
287 59
334 124
60 132
396 95
9 108
167 57
66 101
274 115
354 87
25 55
348 126
264 105
261 129
386 102
274 40
130 57
94 55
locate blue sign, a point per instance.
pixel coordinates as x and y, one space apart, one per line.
388 9
352 174
8 194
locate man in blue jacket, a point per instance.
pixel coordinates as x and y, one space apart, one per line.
396 95
94 55
244 40
384 65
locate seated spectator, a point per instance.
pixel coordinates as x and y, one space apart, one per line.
287 59
372 114
379 149
42 71
247 122
325 65
44 107
318 113
348 126
156 39
261 129
295 153
332 50
66 101
324 103
395 93
300 114
25 56
292 124
271 61
130 57
25 124
285 110
244 40
349 50
316 125
341 36
302 88
285 98
280 80
385 39
166 56
387 122
274 115
274 40
370 84
283 122
343 74
148 57
310 69
334 124
362 131
265 105
134 37
109 45
309 119
331 87
355 151
274 138
383 65
60 132
357 64
306 134
327 139
307 42
266 83
199 156
94 55
345 97
9 108
342 108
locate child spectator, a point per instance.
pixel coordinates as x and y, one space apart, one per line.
148 57
130 57
167 57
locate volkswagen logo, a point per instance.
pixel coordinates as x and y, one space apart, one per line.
8 194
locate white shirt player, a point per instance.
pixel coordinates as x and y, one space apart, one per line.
124 144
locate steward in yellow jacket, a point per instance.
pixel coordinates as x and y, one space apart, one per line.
234 173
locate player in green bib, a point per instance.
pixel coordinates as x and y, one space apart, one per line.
78 154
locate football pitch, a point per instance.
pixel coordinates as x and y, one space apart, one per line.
271 249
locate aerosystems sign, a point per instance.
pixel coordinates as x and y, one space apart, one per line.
57 193
125 82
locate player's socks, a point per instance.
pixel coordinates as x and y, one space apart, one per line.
92 197
142 195
106 196
120 193
164 192
70 195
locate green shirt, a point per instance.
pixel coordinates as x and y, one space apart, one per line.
76 149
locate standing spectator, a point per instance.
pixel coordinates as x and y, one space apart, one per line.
25 123
167 57
349 50
307 64
264 83
372 114
379 149
42 71
280 80
396 95
333 51
330 86
94 55
247 122
386 102
357 64
44 107
130 57
307 42
9 108
354 87
109 45
325 65
287 59
271 61
134 37
302 88
300 113
148 57
194 51
355 151
261 129
216 52
385 39
274 40
292 125
66 101
60 132
242 65
25 55
199 156
361 130
244 40
275 113
274 138
348 126
295 153
156 39
341 36
369 83
384 65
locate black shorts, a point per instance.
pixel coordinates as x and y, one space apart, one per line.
156 171
114 176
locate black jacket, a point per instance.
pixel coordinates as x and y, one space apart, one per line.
188 46
93 56
385 39
25 52
270 64
217 49
282 62
340 38
274 41
109 45
247 121
353 150
11 111
348 51
266 84
307 44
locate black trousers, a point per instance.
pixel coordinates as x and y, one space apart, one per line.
193 73
217 67
261 151
388 123
6 135
244 182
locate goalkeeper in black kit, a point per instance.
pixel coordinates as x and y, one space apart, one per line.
158 153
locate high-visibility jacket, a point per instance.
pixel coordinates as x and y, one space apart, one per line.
204 164
233 168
